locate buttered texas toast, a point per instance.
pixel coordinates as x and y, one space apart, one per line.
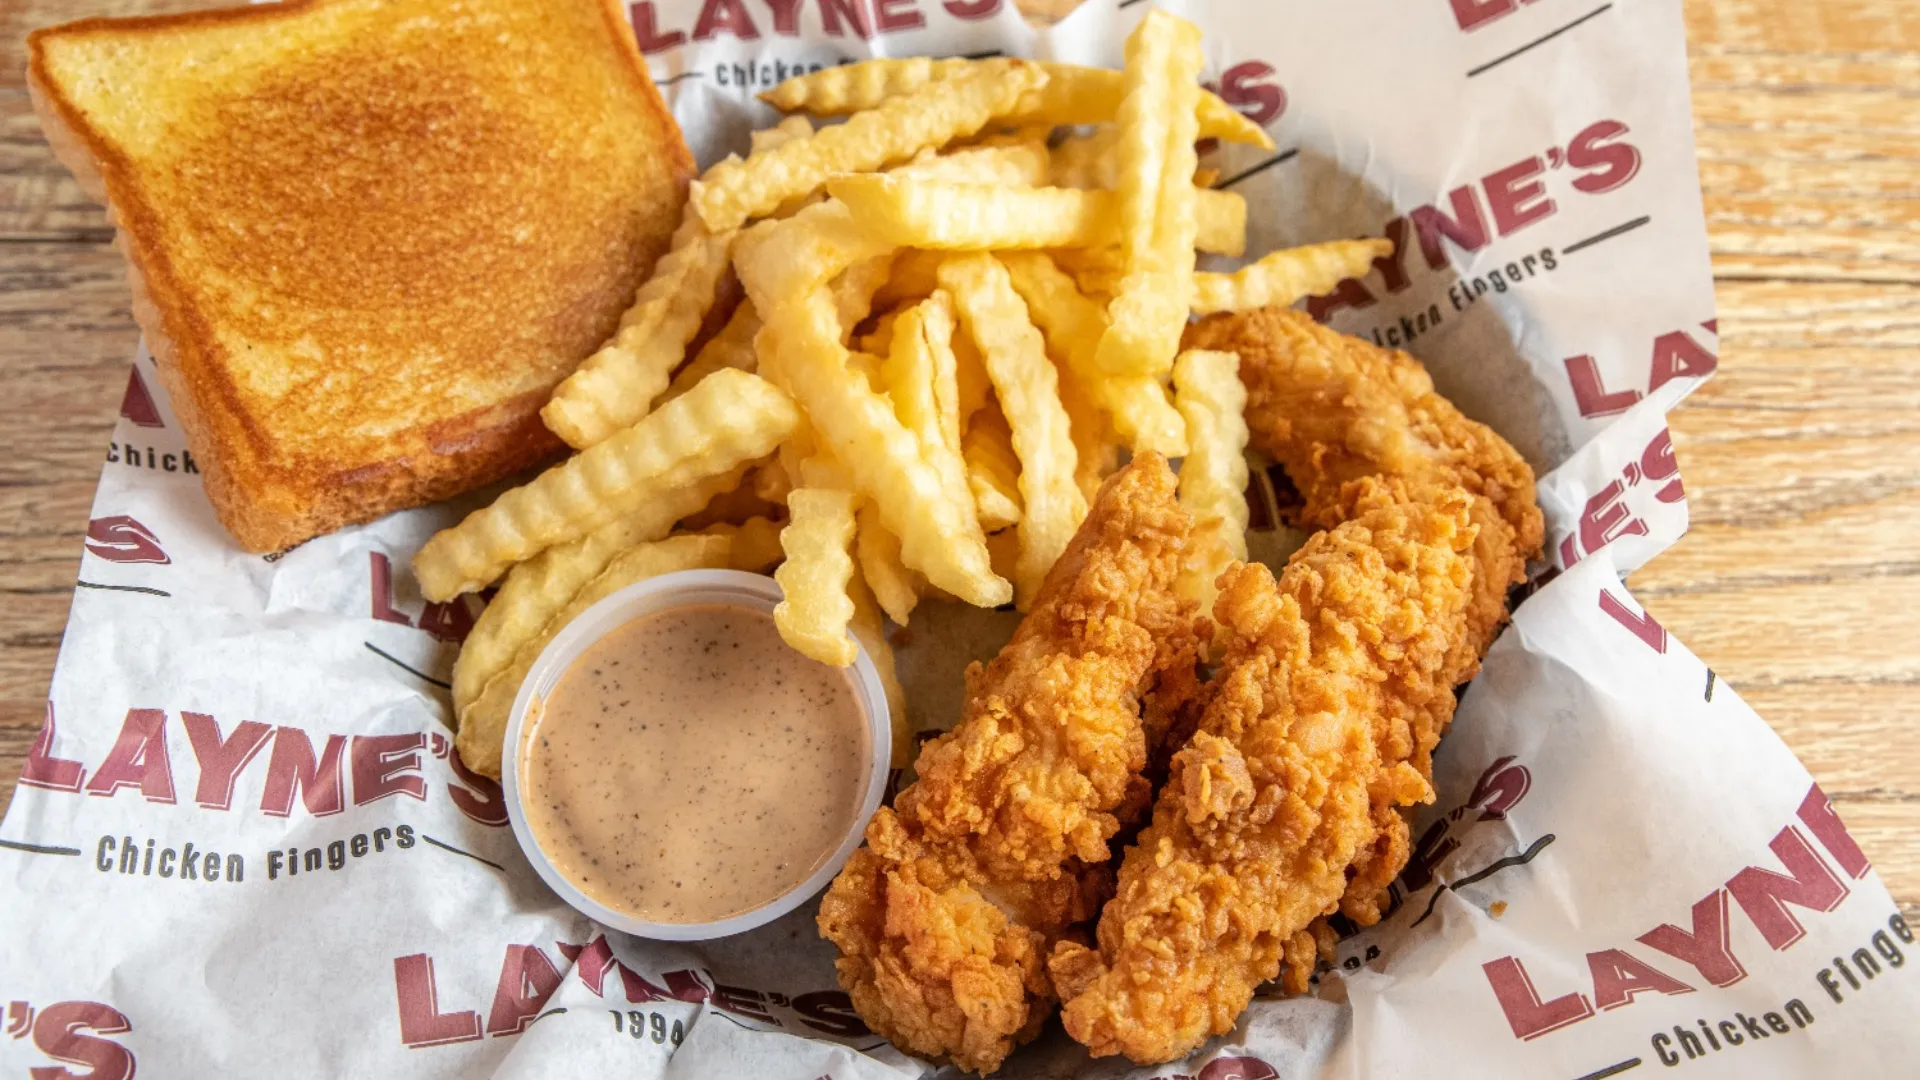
367 237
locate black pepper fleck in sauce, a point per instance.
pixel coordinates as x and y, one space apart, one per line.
691 765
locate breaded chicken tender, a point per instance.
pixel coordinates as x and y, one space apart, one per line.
1334 410
1274 797
1001 846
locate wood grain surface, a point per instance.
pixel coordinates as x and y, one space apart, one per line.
1799 582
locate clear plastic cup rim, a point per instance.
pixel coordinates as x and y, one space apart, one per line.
682 589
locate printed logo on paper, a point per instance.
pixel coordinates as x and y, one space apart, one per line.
122 539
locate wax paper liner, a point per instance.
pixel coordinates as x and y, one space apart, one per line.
242 846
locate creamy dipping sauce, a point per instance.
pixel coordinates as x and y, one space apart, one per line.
692 766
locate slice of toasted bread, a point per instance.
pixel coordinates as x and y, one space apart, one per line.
367 237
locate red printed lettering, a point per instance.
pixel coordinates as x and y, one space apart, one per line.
647 33
1500 788
1658 463
1349 293
43 770
1605 165
1708 946
1606 520
835 14
136 405
971 9
221 760
1642 625
450 621
1529 1016
1808 883
890 15
1250 88
593 963
1817 814
61 1033
687 986
421 1021
382 579
786 16
1618 976
1516 198
479 797
1393 265
1590 394
1676 355
742 1001
637 988
292 768
831 1013
527 980
138 759
1466 228
381 764
1473 14
724 16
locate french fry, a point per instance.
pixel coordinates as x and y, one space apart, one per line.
1287 275
1136 405
616 386
483 726
855 288
879 340
1220 222
1085 161
771 481
732 192
922 380
1018 164
787 130
896 588
947 216
1072 95
850 88
1213 477
734 507
968 217
993 470
732 348
972 388
1029 391
1096 449
537 590
1089 161
1096 272
913 279
811 248
814 616
801 343
729 418
867 366
1157 198
1085 95
754 544
868 629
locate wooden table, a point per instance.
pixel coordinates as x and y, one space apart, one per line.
1799 581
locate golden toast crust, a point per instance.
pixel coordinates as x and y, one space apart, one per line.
366 240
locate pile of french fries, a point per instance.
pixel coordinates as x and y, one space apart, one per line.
962 306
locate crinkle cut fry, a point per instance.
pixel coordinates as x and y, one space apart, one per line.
1001 846
1339 414
1270 801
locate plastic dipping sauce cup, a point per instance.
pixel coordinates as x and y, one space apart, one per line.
691 589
